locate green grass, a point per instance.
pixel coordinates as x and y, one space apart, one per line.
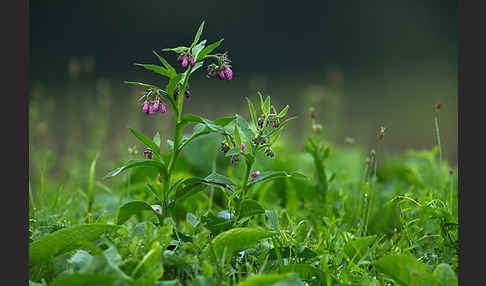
319 236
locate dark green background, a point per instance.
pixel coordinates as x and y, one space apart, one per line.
393 60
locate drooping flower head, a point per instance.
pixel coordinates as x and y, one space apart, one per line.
222 69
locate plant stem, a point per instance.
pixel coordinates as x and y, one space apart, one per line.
436 119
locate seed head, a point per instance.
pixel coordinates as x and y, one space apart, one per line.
316 128
438 105
312 112
382 133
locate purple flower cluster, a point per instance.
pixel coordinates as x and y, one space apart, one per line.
153 103
186 59
222 70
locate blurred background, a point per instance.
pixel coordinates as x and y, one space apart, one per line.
361 64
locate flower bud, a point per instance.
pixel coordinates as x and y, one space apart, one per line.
145 107
151 110
187 93
224 147
228 72
243 147
184 61
255 174
221 75
179 59
163 108
260 122
156 105
192 61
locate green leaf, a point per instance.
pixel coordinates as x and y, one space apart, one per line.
192 219
253 115
223 121
166 64
405 270
286 121
250 208
188 188
65 240
272 219
139 163
358 246
208 50
158 69
286 252
283 112
237 137
197 49
236 239
106 262
263 280
170 145
151 265
84 279
305 271
170 90
133 207
443 275
219 179
198 34
215 224
157 139
147 141
143 85
246 131
178 50
266 106
271 175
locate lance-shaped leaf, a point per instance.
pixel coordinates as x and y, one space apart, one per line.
286 121
215 224
83 279
264 279
166 64
236 239
250 208
198 34
405 270
147 141
178 50
271 175
198 48
208 50
158 69
65 240
143 85
253 115
133 207
139 163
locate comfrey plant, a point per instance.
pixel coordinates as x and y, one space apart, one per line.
242 140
